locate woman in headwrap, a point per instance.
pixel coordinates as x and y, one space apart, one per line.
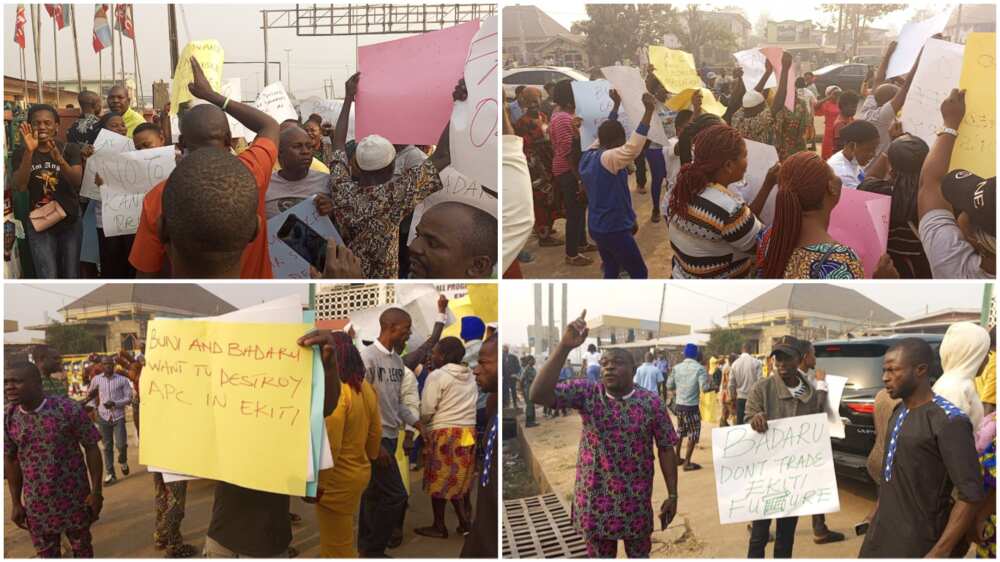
533 128
713 233
964 350
906 156
355 432
797 245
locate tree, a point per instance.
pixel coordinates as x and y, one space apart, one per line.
723 341
70 339
853 19
615 32
696 32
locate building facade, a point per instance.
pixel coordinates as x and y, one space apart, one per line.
532 38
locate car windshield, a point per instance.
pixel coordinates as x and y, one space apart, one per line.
827 68
860 363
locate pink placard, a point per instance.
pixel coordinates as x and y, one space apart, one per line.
861 221
773 54
406 85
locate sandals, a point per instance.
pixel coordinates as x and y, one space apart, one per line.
432 532
830 536
579 260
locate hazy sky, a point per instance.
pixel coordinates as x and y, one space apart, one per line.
236 27
706 302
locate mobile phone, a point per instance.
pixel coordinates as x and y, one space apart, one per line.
304 240
861 528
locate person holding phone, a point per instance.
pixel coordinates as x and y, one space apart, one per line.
621 425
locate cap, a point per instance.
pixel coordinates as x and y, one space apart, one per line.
971 194
786 345
753 98
374 152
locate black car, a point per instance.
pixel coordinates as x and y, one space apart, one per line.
846 76
860 360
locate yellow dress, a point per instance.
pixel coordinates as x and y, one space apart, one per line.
355 432
986 382
708 404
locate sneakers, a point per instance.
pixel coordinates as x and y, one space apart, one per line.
110 479
124 468
588 247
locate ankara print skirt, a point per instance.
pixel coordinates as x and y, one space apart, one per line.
450 464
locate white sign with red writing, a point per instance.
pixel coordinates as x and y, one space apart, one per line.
474 122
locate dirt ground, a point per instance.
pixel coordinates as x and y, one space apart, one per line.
125 529
696 531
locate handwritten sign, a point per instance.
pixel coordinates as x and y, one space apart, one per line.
458 188
753 62
127 177
911 39
861 221
238 397
674 69
785 472
631 86
976 147
593 104
329 110
940 70
473 130
708 102
107 142
774 54
760 158
286 263
406 85
274 101
210 57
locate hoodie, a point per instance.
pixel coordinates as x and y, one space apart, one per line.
963 350
449 398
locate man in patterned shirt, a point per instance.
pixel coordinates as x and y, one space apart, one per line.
113 393
369 210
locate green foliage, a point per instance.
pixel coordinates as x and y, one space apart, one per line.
723 341
70 339
695 32
615 32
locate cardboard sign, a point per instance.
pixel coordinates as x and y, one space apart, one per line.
457 188
760 158
419 300
631 86
860 221
107 142
127 178
329 110
774 55
674 69
911 39
238 400
976 147
406 85
475 121
274 101
835 391
286 263
232 88
708 102
210 56
593 105
753 62
785 472
940 70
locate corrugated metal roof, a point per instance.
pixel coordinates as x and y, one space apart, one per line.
820 299
185 297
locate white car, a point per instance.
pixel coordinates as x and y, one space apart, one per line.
537 76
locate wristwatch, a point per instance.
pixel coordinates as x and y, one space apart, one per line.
948 131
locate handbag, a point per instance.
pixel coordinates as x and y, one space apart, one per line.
46 216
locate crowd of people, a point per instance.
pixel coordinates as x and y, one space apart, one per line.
942 222
209 218
378 393
933 461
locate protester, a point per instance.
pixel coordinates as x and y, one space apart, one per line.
515 107
113 393
50 367
983 531
964 352
454 241
986 381
829 110
565 136
860 140
648 376
592 363
533 128
54 489
673 161
119 102
743 375
518 204
931 453
687 380
728 401
527 378
481 542
621 425
321 148
148 135
786 395
886 100
511 370
653 151
609 203
296 181
85 129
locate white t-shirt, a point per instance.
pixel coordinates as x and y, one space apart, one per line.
592 359
849 171
882 118
949 254
409 157
283 194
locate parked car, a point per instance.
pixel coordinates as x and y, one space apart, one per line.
846 76
537 76
860 360
872 60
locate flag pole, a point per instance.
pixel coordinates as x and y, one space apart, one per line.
55 57
121 51
100 73
35 29
24 77
135 60
76 50
114 73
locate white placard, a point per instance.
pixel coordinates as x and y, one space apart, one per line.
939 71
286 263
631 86
754 65
911 39
784 472
111 143
232 88
474 122
760 158
329 110
421 304
274 101
457 188
127 177
835 391
593 105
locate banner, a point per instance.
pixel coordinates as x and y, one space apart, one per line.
474 122
674 69
752 61
785 472
760 158
631 86
911 39
274 101
940 70
106 142
458 188
210 56
708 102
286 263
593 104
976 147
405 90
329 110
127 178
238 397
861 221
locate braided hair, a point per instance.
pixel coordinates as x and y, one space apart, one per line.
697 125
352 368
713 147
802 185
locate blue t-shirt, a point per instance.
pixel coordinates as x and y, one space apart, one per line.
649 377
609 207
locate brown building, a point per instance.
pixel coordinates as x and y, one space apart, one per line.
531 37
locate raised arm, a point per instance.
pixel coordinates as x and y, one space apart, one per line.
442 154
900 98
883 66
22 173
543 390
339 140
415 357
252 118
929 195
768 69
616 159
779 96
331 371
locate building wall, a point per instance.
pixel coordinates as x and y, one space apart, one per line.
339 301
564 54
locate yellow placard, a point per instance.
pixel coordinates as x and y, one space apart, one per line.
481 301
674 69
210 56
976 146
708 102
227 402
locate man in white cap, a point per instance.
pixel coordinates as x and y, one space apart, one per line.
369 210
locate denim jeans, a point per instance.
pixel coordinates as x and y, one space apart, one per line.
56 251
784 537
382 505
113 434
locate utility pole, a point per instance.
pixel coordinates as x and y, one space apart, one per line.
538 318
659 319
564 291
172 37
552 321
263 13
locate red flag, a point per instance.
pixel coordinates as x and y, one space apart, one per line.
102 31
19 26
123 20
58 13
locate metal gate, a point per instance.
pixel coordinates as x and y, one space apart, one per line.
540 527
